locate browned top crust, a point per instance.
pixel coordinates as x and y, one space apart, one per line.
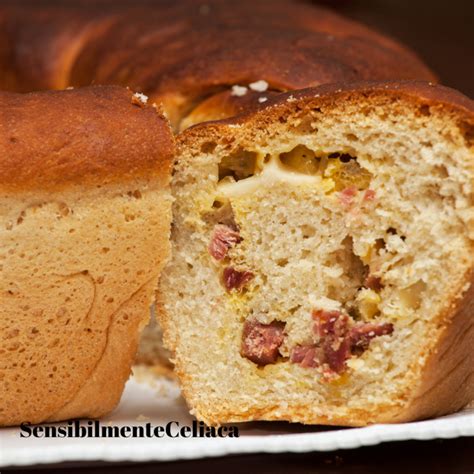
424 94
95 135
182 52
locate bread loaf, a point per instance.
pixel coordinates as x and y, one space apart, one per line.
311 234
84 229
323 258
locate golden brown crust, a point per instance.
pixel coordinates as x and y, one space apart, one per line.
103 388
180 53
78 272
79 268
220 46
31 30
95 135
422 93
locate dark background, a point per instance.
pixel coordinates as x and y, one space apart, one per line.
442 33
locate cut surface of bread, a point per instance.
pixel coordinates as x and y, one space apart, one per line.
85 211
323 257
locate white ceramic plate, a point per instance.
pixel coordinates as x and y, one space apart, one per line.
159 402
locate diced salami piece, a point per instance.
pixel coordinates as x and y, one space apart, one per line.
337 338
329 323
332 328
305 355
336 353
235 279
361 334
260 342
223 238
